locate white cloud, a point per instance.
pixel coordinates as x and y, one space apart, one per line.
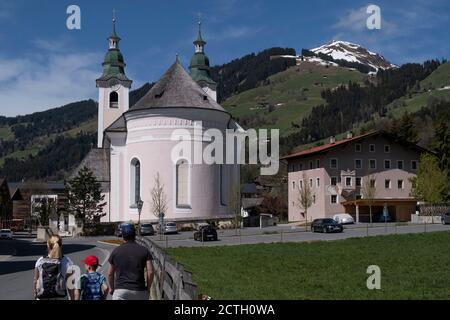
44 81
355 20
233 32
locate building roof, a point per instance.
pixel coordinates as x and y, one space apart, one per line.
176 88
248 203
97 160
37 185
119 125
15 194
330 146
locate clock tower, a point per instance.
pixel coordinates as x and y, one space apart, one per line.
113 87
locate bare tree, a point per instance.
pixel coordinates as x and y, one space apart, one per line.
305 198
234 202
159 199
369 193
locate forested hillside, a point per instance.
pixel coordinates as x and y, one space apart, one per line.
308 102
50 143
350 106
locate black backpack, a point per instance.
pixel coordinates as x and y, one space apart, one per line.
52 284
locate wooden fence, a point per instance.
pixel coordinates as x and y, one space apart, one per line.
172 281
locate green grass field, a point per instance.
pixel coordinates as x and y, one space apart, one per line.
414 266
293 92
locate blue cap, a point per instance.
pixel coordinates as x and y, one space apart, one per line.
128 229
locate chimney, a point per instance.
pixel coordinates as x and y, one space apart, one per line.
332 139
350 135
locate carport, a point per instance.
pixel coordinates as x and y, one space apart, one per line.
400 210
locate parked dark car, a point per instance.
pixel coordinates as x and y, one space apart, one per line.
326 225
207 231
147 229
445 218
118 232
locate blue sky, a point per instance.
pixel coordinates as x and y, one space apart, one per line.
44 65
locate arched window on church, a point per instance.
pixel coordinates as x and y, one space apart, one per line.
135 182
114 100
182 184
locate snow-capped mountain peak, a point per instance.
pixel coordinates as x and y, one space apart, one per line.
351 52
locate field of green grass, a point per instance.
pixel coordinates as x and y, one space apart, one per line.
413 266
293 92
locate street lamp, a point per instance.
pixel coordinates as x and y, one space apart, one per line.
140 204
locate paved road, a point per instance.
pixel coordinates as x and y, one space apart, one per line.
18 257
289 234
16 271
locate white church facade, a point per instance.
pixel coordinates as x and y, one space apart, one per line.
135 143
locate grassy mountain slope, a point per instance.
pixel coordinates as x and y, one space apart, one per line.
438 79
435 87
288 96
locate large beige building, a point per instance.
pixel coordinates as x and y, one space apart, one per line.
337 172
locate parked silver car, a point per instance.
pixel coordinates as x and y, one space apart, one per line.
343 218
170 227
6 234
445 218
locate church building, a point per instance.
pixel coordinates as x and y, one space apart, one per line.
135 142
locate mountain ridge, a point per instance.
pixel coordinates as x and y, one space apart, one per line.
352 52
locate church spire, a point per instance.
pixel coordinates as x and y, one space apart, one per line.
114 63
199 43
199 68
114 39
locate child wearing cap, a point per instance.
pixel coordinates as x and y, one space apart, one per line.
92 285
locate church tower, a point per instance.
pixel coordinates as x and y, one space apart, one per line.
200 69
113 86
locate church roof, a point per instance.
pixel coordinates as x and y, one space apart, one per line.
97 160
176 88
118 126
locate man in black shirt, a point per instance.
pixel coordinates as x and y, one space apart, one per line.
127 268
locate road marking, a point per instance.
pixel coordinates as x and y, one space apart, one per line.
109 243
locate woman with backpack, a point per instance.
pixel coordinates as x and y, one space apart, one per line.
52 272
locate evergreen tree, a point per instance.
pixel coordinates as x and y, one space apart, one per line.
406 129
85 196
441 143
